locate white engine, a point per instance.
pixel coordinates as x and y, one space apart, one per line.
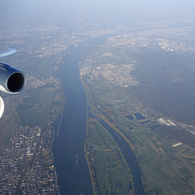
12 80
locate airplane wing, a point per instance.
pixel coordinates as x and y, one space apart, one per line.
8 52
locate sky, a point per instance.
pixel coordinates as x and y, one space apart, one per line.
63 7
64 11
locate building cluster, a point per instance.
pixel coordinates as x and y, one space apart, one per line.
22 168
117 75
39 179
189 128
33 82
166 122
156 38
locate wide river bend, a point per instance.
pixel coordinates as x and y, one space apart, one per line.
68 147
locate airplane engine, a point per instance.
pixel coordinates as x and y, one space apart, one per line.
11 80
1 106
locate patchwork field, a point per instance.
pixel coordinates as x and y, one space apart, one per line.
165 153
35 108
112 175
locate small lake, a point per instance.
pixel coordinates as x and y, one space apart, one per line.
139 116
130 117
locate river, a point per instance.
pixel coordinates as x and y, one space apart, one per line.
68 147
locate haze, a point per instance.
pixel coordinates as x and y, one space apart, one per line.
65 11
104 77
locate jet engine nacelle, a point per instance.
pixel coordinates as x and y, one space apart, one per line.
11 80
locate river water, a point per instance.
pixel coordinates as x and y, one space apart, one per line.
68 147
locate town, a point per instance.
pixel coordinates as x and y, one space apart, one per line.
23 168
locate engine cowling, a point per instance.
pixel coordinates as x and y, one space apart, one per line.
11 80
1 106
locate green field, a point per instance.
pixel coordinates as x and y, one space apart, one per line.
112 173
33 98
40 103
101 173
165 169
186 173
23 107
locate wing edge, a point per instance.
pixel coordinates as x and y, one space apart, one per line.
8 52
